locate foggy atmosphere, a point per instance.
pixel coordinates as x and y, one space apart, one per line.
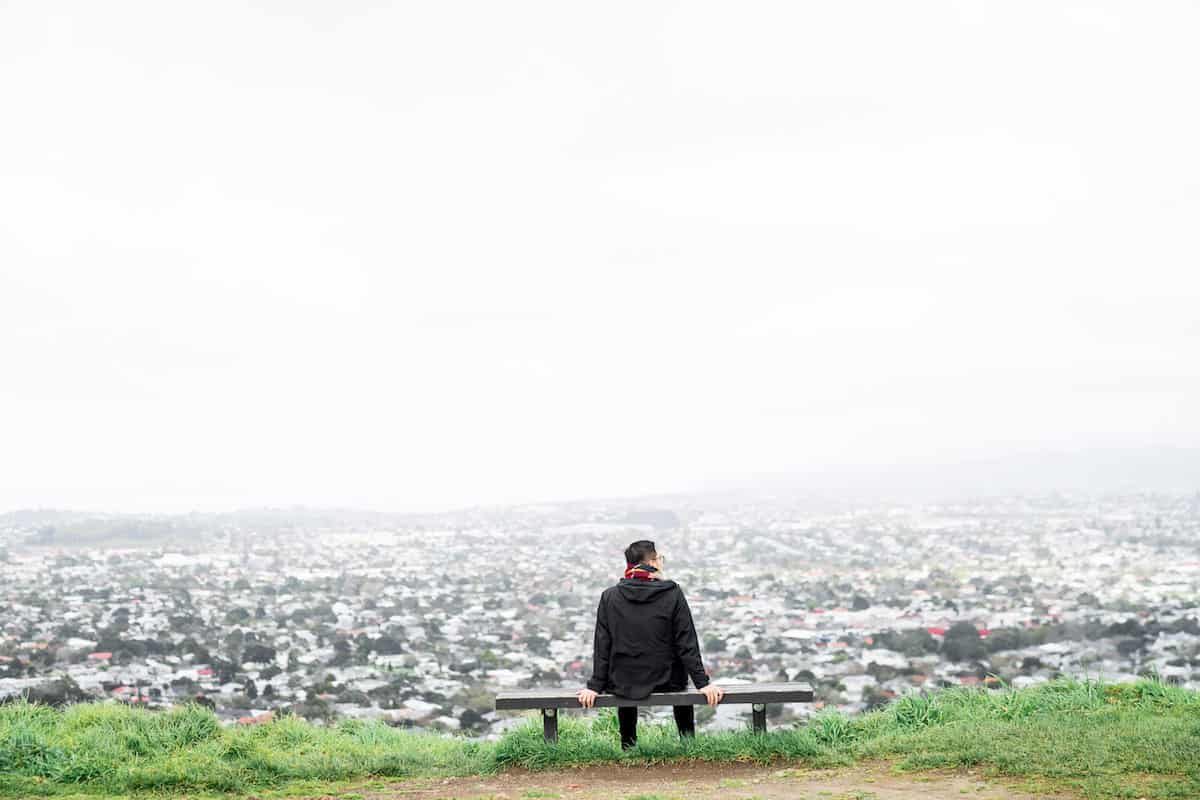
346 348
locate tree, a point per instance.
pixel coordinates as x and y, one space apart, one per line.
199 653
233 645
537 645
913 642
258 654
224 671
489 660
343 652
470 719
1002 639
387 646
962 643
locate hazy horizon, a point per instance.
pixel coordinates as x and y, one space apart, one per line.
1164 470
442 255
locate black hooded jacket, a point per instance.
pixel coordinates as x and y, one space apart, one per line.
644 640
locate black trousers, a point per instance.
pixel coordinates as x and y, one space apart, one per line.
627 717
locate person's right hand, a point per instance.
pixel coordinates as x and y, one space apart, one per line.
713 693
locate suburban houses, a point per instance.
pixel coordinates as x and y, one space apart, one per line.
420 620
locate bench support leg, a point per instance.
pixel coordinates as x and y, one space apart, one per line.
550 724
759 711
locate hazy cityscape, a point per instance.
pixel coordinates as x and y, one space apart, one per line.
419 619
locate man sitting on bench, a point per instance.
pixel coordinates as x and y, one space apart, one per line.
646 642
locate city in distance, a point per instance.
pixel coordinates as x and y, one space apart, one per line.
419 620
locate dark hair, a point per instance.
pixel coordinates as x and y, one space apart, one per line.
640 551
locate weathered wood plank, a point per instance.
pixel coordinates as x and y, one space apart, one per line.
735 693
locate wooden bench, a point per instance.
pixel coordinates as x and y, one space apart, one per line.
757 695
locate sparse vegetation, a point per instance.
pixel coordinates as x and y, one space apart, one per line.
1102 740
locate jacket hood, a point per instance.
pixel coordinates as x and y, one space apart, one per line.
639 591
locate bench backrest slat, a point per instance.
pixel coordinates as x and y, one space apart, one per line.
734 693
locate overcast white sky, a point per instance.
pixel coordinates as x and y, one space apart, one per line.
415 255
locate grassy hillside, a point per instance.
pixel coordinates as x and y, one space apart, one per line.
1111 741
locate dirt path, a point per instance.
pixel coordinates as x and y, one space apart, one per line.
730 781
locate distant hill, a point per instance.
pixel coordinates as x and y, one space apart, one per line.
1158 469
1094 471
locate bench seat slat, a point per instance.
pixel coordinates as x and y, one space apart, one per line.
735 693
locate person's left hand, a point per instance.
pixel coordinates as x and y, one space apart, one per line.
587 697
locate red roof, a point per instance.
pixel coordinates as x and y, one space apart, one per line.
937 631
99 656
204 671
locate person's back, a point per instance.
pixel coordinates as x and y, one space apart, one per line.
646 642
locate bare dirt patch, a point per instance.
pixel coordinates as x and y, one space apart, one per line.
715 781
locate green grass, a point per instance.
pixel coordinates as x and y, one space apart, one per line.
1102 740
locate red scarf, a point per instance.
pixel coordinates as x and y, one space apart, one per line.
637 572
